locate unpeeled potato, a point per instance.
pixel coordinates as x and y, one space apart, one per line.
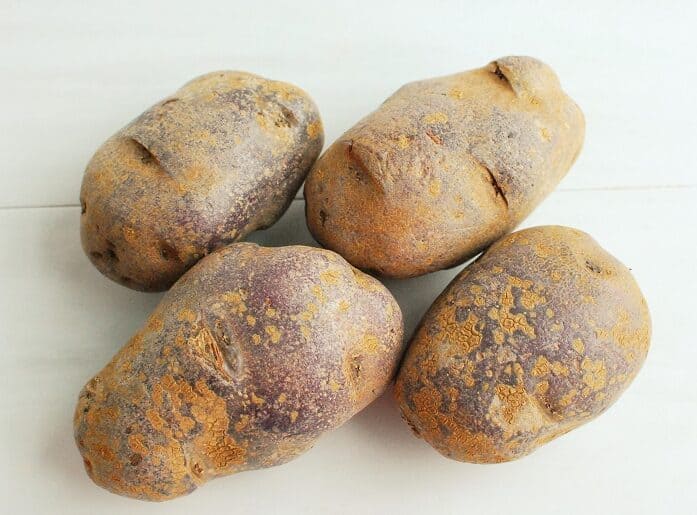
539 336
220 158
444 167
250 357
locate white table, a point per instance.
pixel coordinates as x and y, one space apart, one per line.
74 73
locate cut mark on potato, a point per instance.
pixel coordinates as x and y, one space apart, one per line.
498 191
357 165
500 75
146 156
204 344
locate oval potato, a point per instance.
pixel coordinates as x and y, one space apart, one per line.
540 335
249 358
220 158
444 167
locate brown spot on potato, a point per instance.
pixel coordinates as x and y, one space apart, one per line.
167 251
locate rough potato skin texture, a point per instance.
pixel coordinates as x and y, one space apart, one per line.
444 167
220 158
248 359
538 336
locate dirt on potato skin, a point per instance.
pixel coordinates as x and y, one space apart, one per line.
249 358
537 337
222 157
444 167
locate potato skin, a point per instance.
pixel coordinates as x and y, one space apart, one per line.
540 335
444 167
249 358
220 158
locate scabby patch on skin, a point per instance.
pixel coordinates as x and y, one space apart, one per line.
511 356
245 363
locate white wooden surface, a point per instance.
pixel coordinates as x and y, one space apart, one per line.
73 72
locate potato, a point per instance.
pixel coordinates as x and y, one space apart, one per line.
538 336
220 158
249 358
444 168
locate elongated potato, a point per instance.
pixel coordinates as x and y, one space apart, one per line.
538 336
220 158
249 358
444 167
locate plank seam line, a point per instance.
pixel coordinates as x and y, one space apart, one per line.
560 190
